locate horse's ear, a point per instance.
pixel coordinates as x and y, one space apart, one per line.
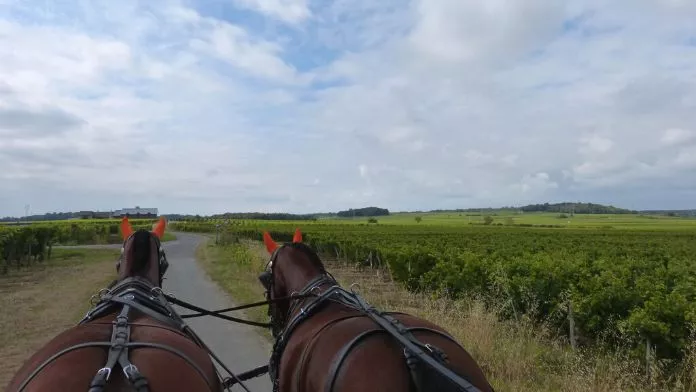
159 229
126 228
297 238
271 245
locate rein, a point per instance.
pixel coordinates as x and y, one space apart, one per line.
217 313
258 371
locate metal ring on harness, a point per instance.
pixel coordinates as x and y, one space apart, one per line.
98 296
352 290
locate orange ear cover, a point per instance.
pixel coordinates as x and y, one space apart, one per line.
126 228
159 229
271 245
298 236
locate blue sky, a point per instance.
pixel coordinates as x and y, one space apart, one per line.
303 105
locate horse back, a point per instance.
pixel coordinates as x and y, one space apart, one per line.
74 370
347 351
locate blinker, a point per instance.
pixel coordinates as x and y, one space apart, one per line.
266 279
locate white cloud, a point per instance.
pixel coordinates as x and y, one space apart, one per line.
686 158
234 45
537 183
674 136
596 144
438 104
289 11
363 170
469 31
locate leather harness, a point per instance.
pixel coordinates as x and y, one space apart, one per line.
132 294
417 354
137 294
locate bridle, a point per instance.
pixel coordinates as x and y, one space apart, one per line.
278 320
267 280
163 264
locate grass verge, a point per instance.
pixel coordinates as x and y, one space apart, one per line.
168 237
235 269
515 355
40 301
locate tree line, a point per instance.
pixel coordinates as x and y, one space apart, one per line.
367 211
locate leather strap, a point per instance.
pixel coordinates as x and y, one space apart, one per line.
147 311
400 334
120 336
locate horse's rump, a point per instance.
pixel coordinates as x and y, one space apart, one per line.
75 370
349 351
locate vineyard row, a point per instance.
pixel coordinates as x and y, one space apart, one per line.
623 287
33 243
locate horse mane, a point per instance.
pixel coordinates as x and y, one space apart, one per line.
309 252
140 252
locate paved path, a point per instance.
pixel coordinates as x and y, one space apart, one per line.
238 346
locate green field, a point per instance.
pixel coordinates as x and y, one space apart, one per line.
628 279
607 221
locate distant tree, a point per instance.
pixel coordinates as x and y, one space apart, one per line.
367 211
372 220
419 219
263 216
575 208
487 220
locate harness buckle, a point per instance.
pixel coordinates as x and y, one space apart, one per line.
121 321
107 370
128 368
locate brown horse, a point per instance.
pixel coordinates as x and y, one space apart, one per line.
329 339
132 340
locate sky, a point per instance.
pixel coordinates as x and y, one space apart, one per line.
323 105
